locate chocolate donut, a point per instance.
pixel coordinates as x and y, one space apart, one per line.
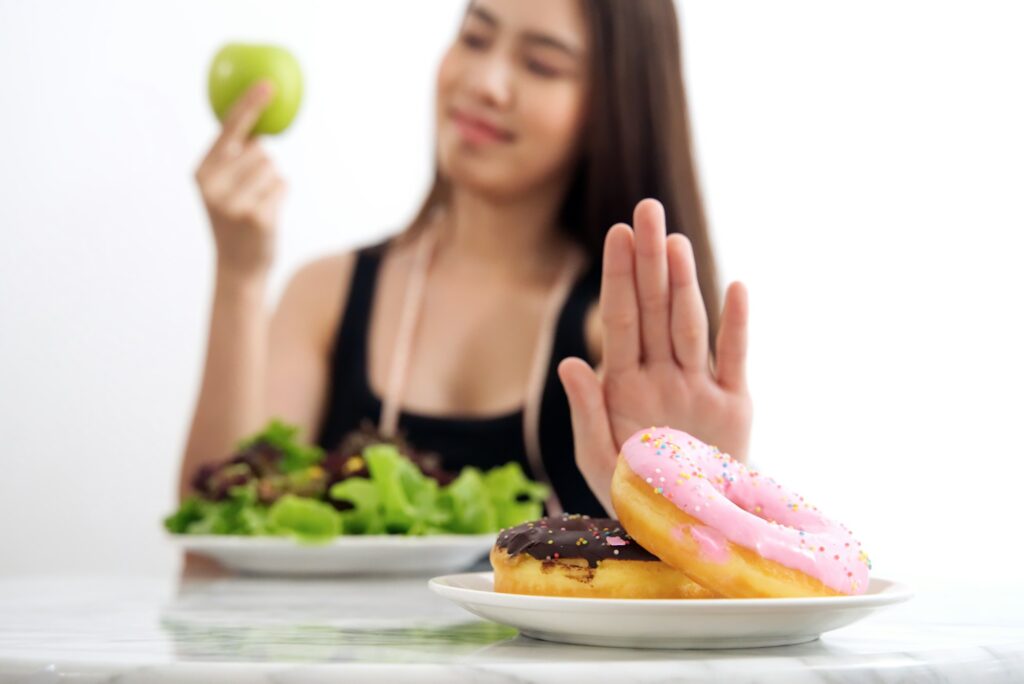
576 555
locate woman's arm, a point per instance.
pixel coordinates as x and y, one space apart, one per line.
256 366
230 396
260 367
302 336
242 193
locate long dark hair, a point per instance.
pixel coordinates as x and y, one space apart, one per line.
637 142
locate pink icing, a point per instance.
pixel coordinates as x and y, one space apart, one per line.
742 506
712 543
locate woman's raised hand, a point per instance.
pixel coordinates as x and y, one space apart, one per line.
242 190
655 368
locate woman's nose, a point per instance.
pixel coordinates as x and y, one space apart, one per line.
490 80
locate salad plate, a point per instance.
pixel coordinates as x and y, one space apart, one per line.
283 507
344 555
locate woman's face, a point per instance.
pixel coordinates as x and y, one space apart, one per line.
510 96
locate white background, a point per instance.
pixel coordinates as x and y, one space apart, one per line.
862 163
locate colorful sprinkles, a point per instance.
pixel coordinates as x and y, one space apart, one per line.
681 458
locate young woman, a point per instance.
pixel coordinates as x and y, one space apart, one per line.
476 330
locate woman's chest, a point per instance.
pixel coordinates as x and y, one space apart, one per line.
471 348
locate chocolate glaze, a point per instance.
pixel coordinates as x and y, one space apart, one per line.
573 536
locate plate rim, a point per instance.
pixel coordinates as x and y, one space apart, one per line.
238 541
895 592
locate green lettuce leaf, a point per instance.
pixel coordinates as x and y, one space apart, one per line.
515 497
238 514
396 498
284 438
469 503
191 511
307 520
365 515
408 498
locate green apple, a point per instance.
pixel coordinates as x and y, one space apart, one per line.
238 66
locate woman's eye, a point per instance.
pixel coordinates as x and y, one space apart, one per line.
474 42
540 68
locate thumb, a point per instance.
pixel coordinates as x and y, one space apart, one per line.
596 451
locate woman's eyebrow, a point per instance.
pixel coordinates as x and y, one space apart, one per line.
542 39
546 40
483 15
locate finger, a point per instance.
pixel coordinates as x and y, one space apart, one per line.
619 315
652 281
596 450
252 163
270 203
243 116
230 173
689 317
250 155
731 346
254 184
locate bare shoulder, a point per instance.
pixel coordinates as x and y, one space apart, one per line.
330 271
315 296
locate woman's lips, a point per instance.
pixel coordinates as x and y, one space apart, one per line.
477 130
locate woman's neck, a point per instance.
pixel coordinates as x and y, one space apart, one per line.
518 238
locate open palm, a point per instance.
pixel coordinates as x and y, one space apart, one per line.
656 367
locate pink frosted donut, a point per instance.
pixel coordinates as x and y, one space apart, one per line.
731 529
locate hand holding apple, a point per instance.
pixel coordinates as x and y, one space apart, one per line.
242 190
238 66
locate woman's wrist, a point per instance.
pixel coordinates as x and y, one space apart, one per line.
245 285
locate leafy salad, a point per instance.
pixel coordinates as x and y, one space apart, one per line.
275 485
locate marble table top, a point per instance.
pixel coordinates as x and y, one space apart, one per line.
239 629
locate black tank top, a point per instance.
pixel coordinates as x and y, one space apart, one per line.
460 441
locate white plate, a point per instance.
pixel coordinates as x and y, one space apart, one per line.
354 555
666 623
